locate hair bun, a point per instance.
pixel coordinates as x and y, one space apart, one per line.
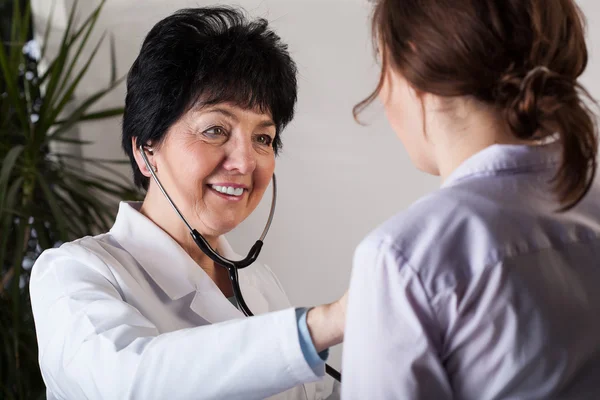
529 101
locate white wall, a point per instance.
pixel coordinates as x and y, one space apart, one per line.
337 180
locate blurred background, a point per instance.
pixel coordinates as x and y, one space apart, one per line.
337 179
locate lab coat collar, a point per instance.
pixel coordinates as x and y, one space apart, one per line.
504 158
173 269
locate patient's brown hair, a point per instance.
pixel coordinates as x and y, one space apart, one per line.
522 56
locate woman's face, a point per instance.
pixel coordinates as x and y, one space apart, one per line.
216 163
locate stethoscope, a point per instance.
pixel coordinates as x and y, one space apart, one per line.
231 265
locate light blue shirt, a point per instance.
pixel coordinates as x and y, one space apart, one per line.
314 359
480 290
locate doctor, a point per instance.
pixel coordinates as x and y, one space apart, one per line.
140 312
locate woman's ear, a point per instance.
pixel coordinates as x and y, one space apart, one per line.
139 159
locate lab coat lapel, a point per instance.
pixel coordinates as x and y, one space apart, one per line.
210 303
169 266
175 271
213 306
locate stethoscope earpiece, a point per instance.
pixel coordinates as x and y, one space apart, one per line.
143 150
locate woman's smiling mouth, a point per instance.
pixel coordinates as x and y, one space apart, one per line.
229 191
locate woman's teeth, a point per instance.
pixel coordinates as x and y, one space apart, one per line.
228 190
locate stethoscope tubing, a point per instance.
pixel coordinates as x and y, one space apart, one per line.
231 265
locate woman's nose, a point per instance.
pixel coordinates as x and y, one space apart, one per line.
241 157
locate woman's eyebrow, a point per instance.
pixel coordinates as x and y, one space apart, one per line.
221 111
266 123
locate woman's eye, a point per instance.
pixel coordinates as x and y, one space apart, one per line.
215 131
265 140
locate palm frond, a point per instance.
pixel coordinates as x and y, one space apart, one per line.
44 199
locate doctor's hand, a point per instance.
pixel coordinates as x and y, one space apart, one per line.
326 323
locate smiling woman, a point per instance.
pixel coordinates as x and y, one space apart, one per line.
218 162
141 311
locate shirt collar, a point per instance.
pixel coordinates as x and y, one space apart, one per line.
504 158
160 255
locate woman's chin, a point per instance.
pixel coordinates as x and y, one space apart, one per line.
222 227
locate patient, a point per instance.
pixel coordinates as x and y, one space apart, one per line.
488 287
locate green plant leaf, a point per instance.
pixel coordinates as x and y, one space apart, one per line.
26 24
72 141
99 212
108 113
7 216
71 39
19 29
10 201
78 220
16 21
86 194
15 212
7 167
37 192
42 234
95 161
102 165
68 95
10 76
113 59
7 351
91 185
87 21
55 71
79 112
16 300
90 178
48 30
57 213
62 91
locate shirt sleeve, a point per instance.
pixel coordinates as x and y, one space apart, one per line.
392 340
315 360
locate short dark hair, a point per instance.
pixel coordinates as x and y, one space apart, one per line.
206 55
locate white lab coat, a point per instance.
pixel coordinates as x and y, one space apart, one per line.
129 315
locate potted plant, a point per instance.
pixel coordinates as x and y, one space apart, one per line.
46 197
